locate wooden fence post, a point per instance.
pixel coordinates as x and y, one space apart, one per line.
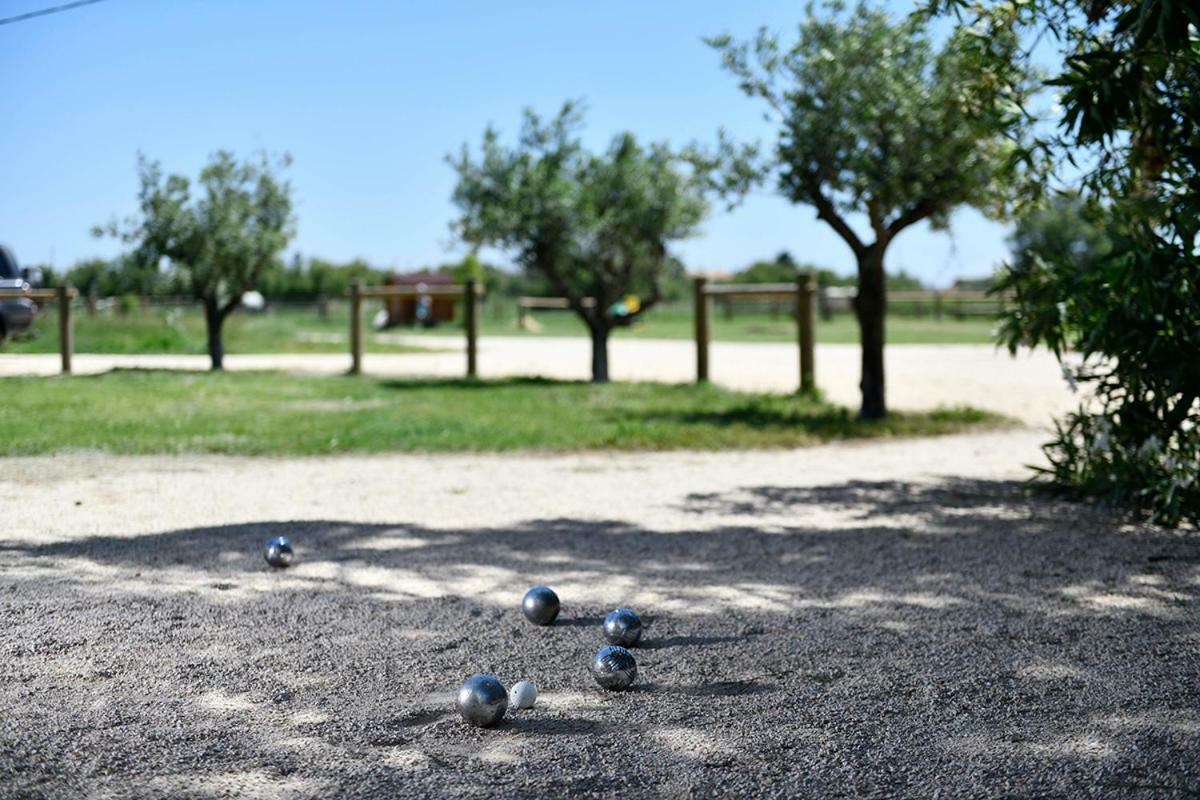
472 320
806 287
355 327
937 306
66 332
702 330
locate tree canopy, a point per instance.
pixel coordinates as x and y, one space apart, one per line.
597 225
221 234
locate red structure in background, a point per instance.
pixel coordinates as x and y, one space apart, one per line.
403 310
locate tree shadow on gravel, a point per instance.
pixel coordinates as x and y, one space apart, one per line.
868 638
942 502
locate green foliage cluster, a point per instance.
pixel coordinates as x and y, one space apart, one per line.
1127 300
315 278
597 226
783 269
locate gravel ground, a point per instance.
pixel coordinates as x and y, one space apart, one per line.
920 377
867 620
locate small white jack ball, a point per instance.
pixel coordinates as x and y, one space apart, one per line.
523 694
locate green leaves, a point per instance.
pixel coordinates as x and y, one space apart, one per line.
222 232
596 224
1115 280
875 121
221 237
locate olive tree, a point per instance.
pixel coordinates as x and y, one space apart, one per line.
220 234
878 130
596 225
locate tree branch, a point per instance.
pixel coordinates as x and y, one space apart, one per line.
876 217
233 302
654 298
827 212
655 286
913 215
550 270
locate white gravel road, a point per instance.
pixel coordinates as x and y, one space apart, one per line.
52 498
854 620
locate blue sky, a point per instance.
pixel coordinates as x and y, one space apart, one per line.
368 97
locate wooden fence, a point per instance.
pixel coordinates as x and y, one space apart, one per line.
957 303
802 291
63 296
801 294
527 304
469 293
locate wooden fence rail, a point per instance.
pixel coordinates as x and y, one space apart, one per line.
958 303
63 296
468 291
527 304
803 290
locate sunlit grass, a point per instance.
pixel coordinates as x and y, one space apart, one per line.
273 413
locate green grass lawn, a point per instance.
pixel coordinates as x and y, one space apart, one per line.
181 330
291 330
136 411
675 322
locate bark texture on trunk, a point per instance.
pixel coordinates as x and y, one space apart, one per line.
870 307
599 354
213 320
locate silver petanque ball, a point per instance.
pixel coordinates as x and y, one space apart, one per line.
540 605
482 700
278 552
623 627
614 668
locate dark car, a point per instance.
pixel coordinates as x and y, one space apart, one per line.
16 313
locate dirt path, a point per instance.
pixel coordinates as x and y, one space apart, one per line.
1029 387
879 620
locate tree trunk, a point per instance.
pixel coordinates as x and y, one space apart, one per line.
213 320
870 306
599 353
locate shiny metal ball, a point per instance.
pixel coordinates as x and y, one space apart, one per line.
623 627
278 552
540 605
482 700
614 668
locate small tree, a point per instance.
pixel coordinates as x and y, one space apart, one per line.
874 123
597 226
222 239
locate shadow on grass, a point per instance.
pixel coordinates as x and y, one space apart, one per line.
809 416
797 413
416 384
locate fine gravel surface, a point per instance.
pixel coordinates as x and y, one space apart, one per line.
897 619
